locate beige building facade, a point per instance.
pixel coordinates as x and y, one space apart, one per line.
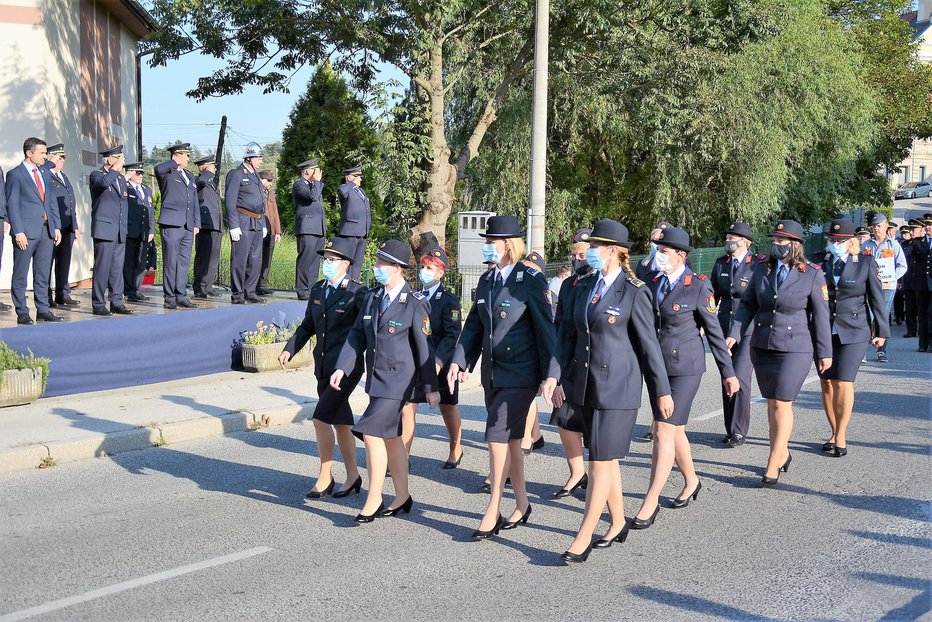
918 164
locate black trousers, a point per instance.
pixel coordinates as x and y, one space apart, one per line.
134 264
899 306
61 265
39 254
206 259
924 325
307 266
245 264
738 406
176 257
912 309
358 255
109 256
268 247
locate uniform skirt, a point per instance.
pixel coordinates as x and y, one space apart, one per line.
846 358
607 432
382 418
683 390
780 375
446 397
333 406
567 415
508 408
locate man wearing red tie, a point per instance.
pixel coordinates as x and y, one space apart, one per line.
36 230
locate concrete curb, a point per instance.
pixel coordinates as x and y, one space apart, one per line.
112 443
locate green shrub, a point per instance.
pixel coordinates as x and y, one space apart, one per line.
11 359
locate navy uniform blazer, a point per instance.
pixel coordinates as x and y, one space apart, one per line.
179 197
688 308
919 258
3 215
141 221
244 189
208 198
793 318
64 198
398 350
446 324
728 288
513 333
330 320
612 350
563 324
858 288
355 212
26 211
309 207
109 205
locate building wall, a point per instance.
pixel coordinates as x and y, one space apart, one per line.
82 92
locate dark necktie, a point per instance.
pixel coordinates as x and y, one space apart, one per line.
327 291
664 289
838 268
497 285
596 296
734 267
782 274
385 302
425 292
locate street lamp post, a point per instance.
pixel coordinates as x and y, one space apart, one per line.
538 195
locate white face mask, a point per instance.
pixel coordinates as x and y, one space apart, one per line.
662 261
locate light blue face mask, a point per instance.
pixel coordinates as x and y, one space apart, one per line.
427 276
330 270
838 249
380 275
592 258
653 248
489 253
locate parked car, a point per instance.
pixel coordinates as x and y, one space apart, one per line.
913 190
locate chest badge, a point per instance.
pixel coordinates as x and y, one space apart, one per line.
744 281
676 307
612 319
519 277
503 315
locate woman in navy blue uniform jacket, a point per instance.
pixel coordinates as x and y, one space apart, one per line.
613 342
787 300
511 327
393 330
684 304
853 287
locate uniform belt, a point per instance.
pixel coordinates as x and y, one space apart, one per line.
243 210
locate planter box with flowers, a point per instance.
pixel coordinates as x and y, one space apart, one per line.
261 347
24 377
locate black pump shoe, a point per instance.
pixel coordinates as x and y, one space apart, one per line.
362 518
521 521
605 543
404 507
357 485
487 535
583 483
829 447
453 465
487 486
682 503
637 523
771 481
317 494
573 558
840 451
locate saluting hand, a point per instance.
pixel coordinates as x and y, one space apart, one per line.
731 385
665 406
433 399
283 358
559 396
824 364
547 387
336 378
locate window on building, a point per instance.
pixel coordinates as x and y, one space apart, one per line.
922 173
905 174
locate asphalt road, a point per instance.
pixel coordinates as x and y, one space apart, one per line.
219 529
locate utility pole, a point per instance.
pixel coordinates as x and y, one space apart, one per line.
536 212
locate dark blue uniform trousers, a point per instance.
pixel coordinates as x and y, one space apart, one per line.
738 406
61 260
308 263
206 259
358 255
134 267
176 256
109 256
246 264
39 252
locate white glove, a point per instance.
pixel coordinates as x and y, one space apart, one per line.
235 234
265 232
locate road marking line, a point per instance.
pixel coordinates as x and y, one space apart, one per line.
721 412
131 584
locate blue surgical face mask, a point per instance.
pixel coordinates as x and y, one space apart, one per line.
490 254
592 258
427 276
838 249
330 270
381 275
653 248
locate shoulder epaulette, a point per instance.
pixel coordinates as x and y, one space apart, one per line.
531 271
702 277
761 257
635 281
418 295
817 266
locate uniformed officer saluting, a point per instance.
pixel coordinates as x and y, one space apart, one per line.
64 195
207 241
683 305
310 225
394 332
179 222
731 275
355 215
786 296
853 287
245 205
334 305
612 342
511 327
109 213
140 230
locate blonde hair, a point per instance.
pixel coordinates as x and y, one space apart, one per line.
624 258
854 246
518 249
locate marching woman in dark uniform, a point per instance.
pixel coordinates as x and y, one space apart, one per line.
684 304
613 342
393 330
566 417
511 327
853 287
332 309
446 325
787 300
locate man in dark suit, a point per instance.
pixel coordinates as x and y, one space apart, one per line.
140 230
245 205
65 199
730 277
34 224
6 225
310 225
355 216
109 212
179 222
207 242
921 251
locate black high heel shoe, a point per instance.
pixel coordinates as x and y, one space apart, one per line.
453 465
573 558
637 523
362 518
604 543
487 486
771 481
521 521
583 483
404 507
317 494
829 446
840 451
538 444
682 503
487 535
357 485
